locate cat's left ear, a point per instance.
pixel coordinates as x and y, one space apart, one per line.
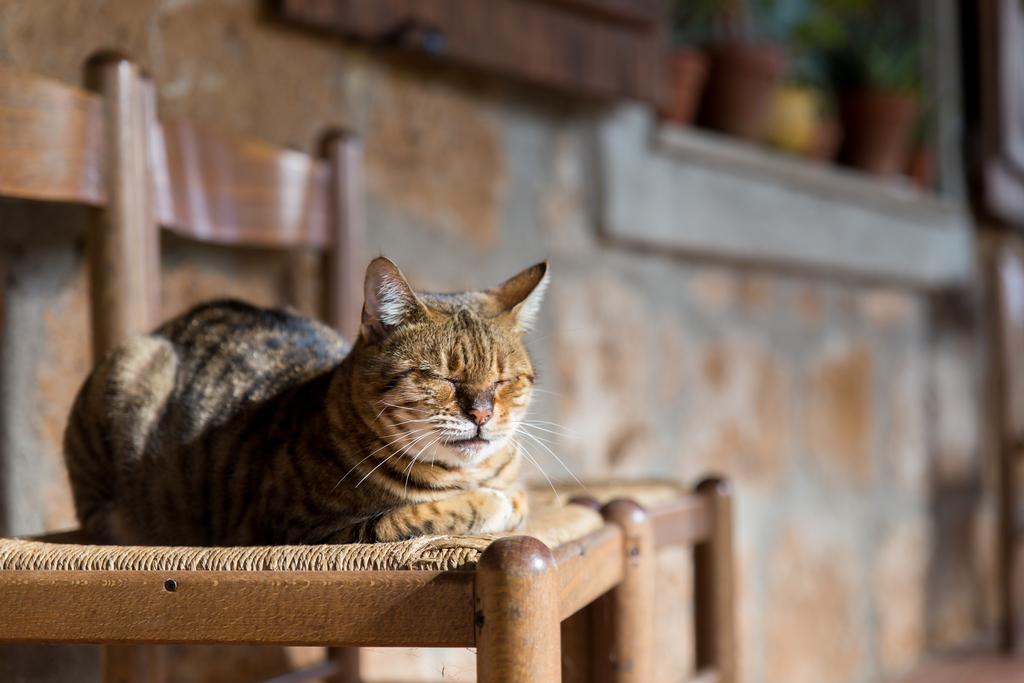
388 300
521 295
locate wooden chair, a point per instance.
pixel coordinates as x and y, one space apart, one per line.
505 596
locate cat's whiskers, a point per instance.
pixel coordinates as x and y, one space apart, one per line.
413 462
529 425
565 430
387 459
545 439
405 449
521 449
376 467
408 472
561 462
413 420
401 435
352 469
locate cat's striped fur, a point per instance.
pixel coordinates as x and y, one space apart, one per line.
233 424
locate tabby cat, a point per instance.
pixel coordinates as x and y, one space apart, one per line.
238 425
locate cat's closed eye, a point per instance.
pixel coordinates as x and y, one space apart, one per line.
427 373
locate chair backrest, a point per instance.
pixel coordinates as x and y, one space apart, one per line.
106 148
50 140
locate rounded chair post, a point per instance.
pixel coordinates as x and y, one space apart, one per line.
123 241
343 258
623 620
713 580
517 619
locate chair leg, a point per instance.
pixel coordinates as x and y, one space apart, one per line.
576 644
623 620
134 664
714 586
346 661
517 620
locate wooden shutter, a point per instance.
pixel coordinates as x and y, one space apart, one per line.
596 48
999 42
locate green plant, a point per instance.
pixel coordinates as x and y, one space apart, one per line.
862 44
881 65
693 21
701 21
842 43
925 129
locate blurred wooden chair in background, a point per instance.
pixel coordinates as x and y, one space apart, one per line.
588 571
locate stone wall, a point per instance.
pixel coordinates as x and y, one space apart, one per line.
844 411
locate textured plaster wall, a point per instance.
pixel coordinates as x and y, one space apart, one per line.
844 412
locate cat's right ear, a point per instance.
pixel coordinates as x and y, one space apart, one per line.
388 300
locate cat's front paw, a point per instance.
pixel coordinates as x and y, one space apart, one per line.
481 511
495 511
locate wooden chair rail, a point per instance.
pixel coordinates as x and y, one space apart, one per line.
684 521
51 140
208 185
588 568
215 187
267 608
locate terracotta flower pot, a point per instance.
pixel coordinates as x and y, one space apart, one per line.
741 85
921 168
687 73
877 125
826 141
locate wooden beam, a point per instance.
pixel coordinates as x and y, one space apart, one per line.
569 45
639 12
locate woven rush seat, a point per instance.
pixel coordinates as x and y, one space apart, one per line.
646 492
551 521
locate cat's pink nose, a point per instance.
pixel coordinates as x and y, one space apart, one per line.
480 414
